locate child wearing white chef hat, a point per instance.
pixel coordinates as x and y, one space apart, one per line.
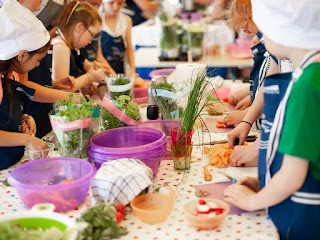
289 171
24 41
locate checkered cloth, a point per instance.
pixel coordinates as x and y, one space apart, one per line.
120 180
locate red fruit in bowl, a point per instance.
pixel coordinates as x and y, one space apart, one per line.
120 207
119 216
202 202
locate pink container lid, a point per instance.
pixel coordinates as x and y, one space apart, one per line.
165 72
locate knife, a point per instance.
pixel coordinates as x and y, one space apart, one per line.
250 138
233 180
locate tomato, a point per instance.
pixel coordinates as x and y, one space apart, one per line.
225 99
120 207
219 125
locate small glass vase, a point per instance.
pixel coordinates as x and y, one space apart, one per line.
181 148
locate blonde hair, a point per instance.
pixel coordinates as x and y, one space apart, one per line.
240 10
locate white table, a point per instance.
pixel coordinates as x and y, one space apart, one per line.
255 225
149 58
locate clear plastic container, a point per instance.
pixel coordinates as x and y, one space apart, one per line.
61 181
36 154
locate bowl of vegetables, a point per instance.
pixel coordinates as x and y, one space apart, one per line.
61 181
206 214
36 225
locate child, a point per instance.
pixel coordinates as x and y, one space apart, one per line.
140 10
264 64
92 51
24 43
79 23
241 18
289 174
116 37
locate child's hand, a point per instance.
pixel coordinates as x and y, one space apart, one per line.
65 83
28 125
244 154
240 196
240 133
233 118
237 95
250 182
96 75
35 144
106 68
244 103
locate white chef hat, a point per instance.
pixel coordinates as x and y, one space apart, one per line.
20 30
293 23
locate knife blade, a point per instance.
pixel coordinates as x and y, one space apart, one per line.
233 180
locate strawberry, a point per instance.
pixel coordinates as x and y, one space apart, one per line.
119 216
202 202
217 210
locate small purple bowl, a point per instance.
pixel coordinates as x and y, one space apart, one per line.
144 143
61 181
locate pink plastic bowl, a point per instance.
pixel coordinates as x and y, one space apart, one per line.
146 144
61 181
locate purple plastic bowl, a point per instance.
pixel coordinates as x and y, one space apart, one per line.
144 143
127 140
163 72
152 161
61 181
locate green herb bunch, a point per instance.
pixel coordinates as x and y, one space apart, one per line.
118 82
124 104
102 223
169 38
73 143
202 87
165 96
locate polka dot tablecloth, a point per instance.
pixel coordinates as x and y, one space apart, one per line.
253 226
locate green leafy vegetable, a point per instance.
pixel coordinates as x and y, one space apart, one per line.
118 82
168 107
73 143
124 104
102 223
13 231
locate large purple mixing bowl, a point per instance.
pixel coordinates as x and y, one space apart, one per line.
143 143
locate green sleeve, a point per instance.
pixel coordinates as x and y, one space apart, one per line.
301 130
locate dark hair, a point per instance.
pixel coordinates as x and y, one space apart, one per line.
6 65
76 12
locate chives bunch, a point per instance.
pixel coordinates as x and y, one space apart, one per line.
198 97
